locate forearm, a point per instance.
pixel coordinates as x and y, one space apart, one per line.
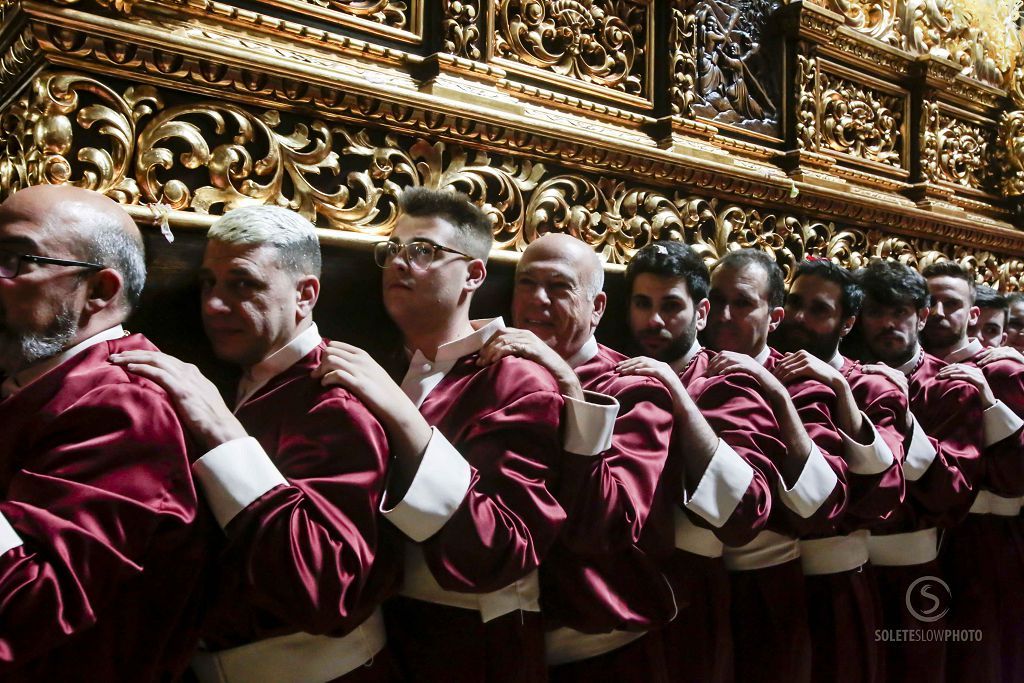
794 436
849 415
408 435
698 443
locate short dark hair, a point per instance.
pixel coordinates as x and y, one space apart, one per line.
1014 298
852 295
891 283
987 297
743 258
953 270
667 258
472 224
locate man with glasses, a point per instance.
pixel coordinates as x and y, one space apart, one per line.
475 454
294 474
103 540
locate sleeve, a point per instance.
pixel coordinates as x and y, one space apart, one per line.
1004 458
818 498
307 536
739 415
607 497
84 513
507 517
950 423
874 492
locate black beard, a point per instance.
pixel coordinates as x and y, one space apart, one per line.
676 349
789 337
935 337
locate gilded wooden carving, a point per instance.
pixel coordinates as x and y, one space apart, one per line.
953 150
461 30
860 121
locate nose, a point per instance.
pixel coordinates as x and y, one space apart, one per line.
937 309
214 304
655 321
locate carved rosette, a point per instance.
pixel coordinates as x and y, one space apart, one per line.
874 18
462 35
393 13
601 42
861 122
953 150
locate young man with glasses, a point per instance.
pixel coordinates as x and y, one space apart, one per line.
103 540
475 455
294 473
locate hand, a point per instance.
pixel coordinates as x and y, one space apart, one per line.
803 365
663 372
730 362
973 376
354 369
1000 353
513 341
892 374
196 400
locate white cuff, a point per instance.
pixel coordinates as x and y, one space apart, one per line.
920 453
815 483
9 538
234 474
589 423
437 490
722 487
866 460
999 422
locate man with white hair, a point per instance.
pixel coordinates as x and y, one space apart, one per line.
103 539
294 474
602 589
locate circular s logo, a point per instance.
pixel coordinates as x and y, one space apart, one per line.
928 598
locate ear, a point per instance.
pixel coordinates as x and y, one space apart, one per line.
600 304
1003 338
775 317
307 291
103 289
922 317
846 326
701 314
476 273
972 316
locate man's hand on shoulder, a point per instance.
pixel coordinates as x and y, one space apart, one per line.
513 341
805 365
1000 353
196 400
643 366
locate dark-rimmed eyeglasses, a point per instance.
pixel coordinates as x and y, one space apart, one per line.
11 263
419 254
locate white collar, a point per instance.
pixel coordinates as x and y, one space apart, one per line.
679 364
16 383
463 346
911 365
762 357
584 354
837 361
970 349
255 377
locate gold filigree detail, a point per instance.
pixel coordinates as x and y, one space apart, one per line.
807 121
953 150
875 18
598 41
1010 154
461 32
388 12
861 122
683 60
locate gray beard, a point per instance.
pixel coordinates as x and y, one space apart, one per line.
20 350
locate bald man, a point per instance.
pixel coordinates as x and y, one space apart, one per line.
602 590
102 537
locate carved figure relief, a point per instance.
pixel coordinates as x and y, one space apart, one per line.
735 72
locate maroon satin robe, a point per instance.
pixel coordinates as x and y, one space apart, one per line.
504 420
949 412
313 555
95 478
984 555
599 577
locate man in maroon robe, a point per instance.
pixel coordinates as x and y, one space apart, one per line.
809 483
724 433
984 555
993 314
941 466
842 598
103 539
476 451
603 595
294 474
